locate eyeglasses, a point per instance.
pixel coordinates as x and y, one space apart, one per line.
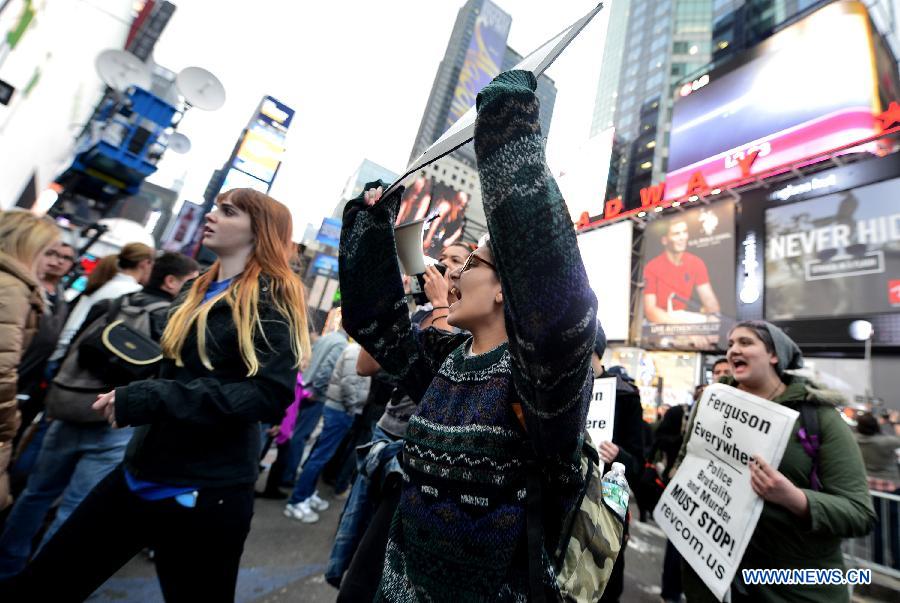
473 261
52 253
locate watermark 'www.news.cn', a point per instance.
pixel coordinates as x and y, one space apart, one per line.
806 576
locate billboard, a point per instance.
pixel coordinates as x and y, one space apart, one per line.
606 253
484 57
324 265
443 205
807 89
330 232
235 178
688 296
185 227
260 148
259 153
835 255
275 113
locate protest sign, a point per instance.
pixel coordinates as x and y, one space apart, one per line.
602 411
709 510
463 129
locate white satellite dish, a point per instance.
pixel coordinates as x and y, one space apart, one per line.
200 88
179 143
119 69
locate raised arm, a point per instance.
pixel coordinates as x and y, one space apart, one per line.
374 308
550 308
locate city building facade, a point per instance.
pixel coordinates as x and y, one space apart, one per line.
474 56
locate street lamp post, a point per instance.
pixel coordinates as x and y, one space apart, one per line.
862 330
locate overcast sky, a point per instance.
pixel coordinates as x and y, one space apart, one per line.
358 74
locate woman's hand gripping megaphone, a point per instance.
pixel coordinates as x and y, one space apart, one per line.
372 196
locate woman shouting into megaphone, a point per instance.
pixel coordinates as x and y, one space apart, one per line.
523 297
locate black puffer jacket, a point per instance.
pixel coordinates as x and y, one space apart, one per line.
198 427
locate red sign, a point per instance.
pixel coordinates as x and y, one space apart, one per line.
894 292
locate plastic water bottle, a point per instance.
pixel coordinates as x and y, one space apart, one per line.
615 490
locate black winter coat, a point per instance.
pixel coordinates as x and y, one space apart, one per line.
198 427
628 432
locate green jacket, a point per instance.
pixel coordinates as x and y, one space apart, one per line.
841 509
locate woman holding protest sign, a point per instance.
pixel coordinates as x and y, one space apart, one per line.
815 497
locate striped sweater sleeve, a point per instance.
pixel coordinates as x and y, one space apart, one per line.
550 308
373 305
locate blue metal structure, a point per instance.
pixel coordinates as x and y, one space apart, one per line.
120 148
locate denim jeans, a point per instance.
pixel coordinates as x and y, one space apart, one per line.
373 462
307 419
337 424
74 458
24 465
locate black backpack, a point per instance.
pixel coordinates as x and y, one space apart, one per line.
117 347
114 349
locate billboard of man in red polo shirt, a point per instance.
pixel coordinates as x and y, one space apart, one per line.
688 285
672 277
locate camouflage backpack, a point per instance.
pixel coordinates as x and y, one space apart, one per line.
590 540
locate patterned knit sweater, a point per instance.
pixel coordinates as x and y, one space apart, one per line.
459 532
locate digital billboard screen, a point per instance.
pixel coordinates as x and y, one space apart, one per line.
235 178
483 58
324 265
330 232
275 113
606 253
445 207
688 296
260 153
836 255
806 90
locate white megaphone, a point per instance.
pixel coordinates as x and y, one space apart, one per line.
409 247
412 257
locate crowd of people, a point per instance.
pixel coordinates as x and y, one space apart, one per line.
135 418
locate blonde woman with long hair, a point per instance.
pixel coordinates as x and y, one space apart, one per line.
23 240
234 341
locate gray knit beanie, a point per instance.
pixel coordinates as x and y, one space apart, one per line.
788 352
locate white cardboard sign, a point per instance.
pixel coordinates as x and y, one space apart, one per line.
709 510
602 411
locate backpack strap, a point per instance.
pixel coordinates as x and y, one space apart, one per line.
115 307
151 308
811 440
534 527
534 521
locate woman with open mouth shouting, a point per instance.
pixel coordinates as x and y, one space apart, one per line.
459 533
816 496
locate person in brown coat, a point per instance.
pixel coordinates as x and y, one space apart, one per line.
24 238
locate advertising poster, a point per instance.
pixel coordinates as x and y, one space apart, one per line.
835 255
324 265
709 509
235 178
443 204
688 279
260 153
330 232
483 59
183 229
602 411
